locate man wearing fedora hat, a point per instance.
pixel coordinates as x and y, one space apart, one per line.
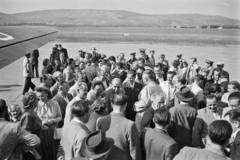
96 146
183 117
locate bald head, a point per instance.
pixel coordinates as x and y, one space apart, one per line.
116 84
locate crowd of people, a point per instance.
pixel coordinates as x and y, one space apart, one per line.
145 108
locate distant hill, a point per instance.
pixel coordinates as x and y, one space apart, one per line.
89 17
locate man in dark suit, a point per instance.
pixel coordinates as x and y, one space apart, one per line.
234 116
156 143
34 61
159 74
224 80
121 72
54 55
92 71
183 117
132 90
63 50
123 131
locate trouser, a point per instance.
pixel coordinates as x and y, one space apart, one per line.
35 66
28 84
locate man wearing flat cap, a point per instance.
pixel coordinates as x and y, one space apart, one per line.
132 59
183 117
210 68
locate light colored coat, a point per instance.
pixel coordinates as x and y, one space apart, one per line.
27 68
168 96
198 93
200 130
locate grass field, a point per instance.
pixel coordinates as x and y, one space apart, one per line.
186 37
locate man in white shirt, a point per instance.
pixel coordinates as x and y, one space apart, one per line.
233 103
196 89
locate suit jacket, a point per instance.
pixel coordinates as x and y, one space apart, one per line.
34 57
13 135
191 72
124 132
91 72
62 104
73 134
157 144
68 74
235 148
204 118
132 95
225 85
183 117
147 118
208 153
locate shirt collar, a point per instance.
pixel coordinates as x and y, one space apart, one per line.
235 133
78 121
219 152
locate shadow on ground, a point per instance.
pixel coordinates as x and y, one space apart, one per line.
9 86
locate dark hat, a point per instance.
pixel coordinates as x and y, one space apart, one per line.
152 51
208 61
162 55
179 55
142 49
184 94
96 145
103 56
134 53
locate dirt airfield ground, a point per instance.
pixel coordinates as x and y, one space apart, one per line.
217 45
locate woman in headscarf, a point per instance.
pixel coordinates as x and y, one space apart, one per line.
33 124
50 114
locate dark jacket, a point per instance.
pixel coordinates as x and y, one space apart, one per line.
235 148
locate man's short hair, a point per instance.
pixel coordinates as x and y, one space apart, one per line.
3 106
234 115
61 85
79 108
69 61
97 83
120 64
45 62
94 59
162 117
150 74
132 72
112 58
119 99
211 96
198 77
81 84
156 96
234 95
175 63
56 75
220 131
181 79
224 74
235 84
215 88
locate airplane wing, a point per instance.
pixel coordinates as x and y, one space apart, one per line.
17 41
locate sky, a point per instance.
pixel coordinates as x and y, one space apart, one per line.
226 8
